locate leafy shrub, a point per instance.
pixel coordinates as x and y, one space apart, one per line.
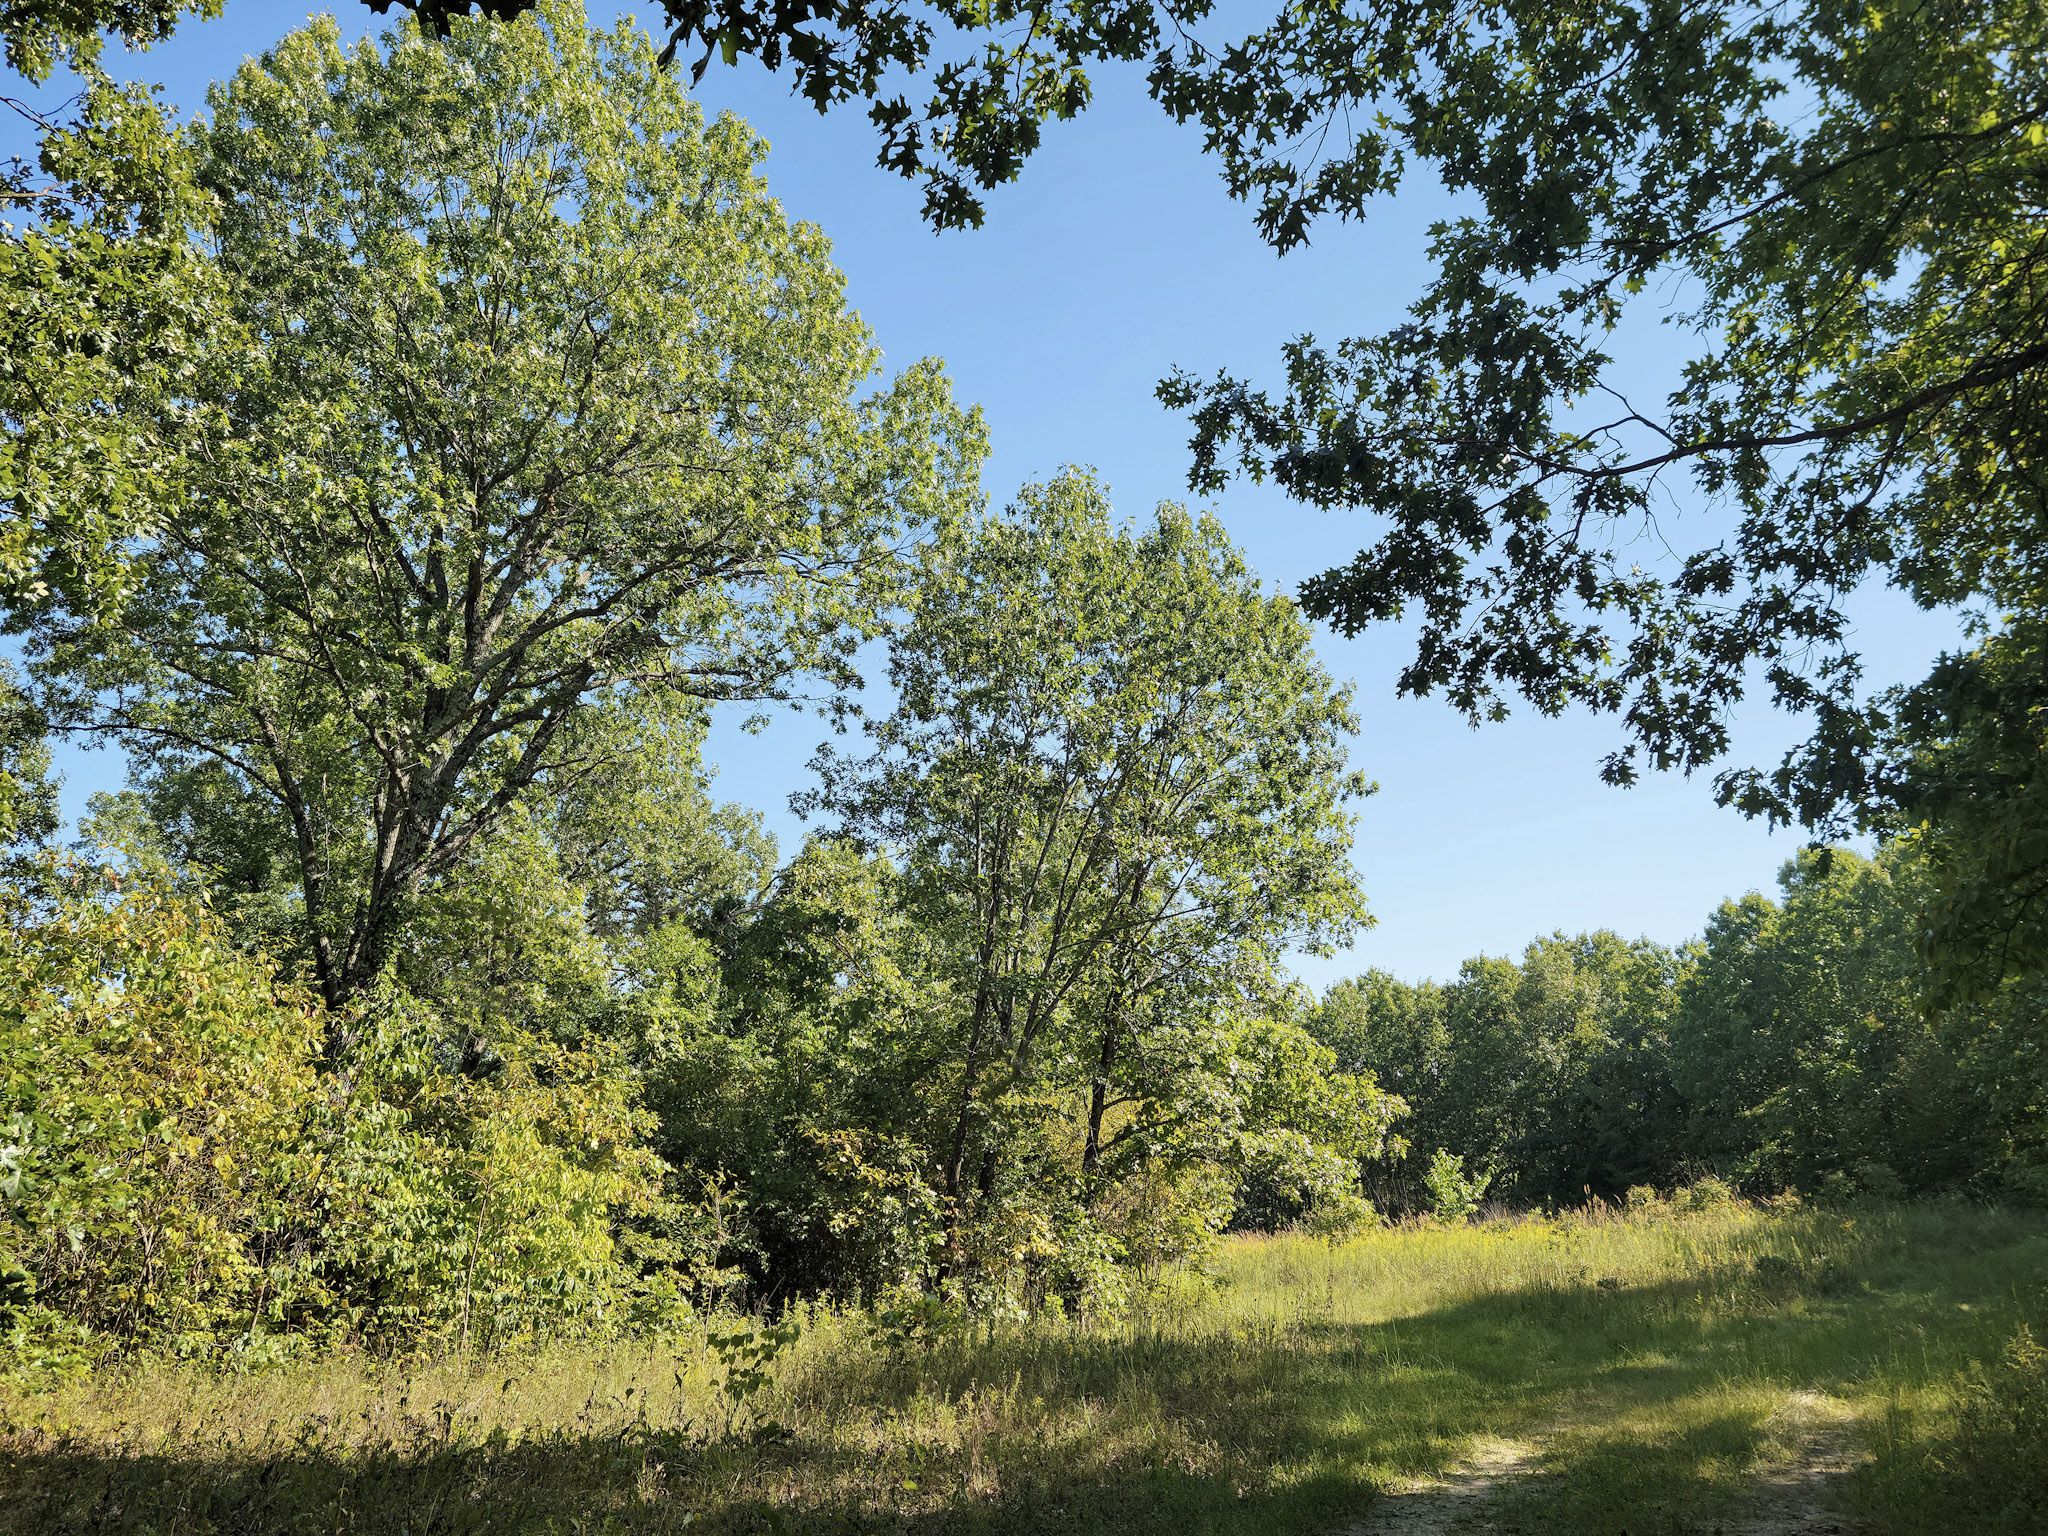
180 1171
2026 1179
2002 1450
1453 1193
1291 1179
1703 1194
153 1082
746 1358
476 1206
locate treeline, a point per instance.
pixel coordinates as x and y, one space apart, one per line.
449 426
1790 1048
417 993
1016 1029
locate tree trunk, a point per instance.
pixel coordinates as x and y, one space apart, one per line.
1098 1102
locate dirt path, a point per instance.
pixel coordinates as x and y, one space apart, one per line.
1457 1499
1791 1497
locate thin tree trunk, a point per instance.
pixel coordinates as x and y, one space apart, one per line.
1098 1100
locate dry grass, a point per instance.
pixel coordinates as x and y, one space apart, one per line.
1650 1361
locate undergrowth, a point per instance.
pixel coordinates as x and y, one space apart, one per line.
1648 1355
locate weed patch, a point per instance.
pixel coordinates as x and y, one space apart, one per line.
1305 1380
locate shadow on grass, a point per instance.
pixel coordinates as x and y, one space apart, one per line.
1653 1406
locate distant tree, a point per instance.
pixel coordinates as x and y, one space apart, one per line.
1790 1048
1392 1028
536 402
1802 1051
1605 1113
1393 1031
1552 1071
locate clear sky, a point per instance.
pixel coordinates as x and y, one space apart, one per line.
1117 257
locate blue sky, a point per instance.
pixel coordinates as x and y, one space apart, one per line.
1117 257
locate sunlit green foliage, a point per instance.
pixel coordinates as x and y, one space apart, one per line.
1846 194
155 1088
28 793
1453 1193
103 301
41 33
537 402
182 1169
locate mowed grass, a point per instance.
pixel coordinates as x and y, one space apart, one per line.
1658 1366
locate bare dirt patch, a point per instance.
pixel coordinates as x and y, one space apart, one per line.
1440 1505
1792 1495
1795 1496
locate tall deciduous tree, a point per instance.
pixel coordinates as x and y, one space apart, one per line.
1115 775
534 398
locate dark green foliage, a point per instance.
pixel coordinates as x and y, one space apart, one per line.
1806 1057
1970 790
1793 1024
1851 194
1791 1048
799 1113
1551 1071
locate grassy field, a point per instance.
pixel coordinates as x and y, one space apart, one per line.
1656 1368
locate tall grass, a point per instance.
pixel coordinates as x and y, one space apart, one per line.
1650 1360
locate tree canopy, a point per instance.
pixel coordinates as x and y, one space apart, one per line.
1786 1049
527 398
1842 198
1836 206
1115 778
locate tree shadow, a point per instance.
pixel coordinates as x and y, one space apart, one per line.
1652 1407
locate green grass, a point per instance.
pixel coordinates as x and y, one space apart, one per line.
1651 1363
